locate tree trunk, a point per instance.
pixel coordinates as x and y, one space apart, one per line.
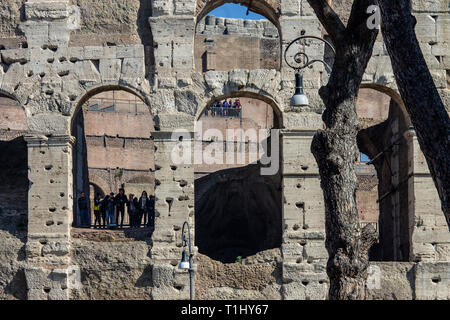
417 89
335 150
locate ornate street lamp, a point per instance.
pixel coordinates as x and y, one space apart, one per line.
299 61
186 263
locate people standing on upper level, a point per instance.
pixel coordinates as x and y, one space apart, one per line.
83 207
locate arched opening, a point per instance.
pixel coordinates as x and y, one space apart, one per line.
113 145
237 202
13 198
383 173
230 36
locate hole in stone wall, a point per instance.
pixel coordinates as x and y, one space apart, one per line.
52 209
47 290
436 279
48 167
61 194
169 202
50 60
300 205
49 223
173 168
305 282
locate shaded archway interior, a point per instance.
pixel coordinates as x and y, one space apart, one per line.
383 186
251 45
113 147
237 208
14 166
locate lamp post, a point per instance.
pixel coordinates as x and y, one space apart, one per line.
299 61
186 263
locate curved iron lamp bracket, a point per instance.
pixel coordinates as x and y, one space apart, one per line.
301 59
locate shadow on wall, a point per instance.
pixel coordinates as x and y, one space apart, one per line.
237 213
13 217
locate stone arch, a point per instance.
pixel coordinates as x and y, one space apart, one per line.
237 205
78 103
267 8
99 182
104 143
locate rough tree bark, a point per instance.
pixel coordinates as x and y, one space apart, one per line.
418 92
335 150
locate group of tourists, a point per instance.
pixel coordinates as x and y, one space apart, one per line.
225 109
107 210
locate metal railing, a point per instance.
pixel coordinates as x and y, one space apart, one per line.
117 219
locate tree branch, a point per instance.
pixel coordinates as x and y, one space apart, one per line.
329 19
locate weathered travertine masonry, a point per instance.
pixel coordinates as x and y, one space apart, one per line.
57 54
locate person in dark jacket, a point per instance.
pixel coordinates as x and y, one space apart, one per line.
84 210
144 205
133 210
97 213
110 210
120 202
